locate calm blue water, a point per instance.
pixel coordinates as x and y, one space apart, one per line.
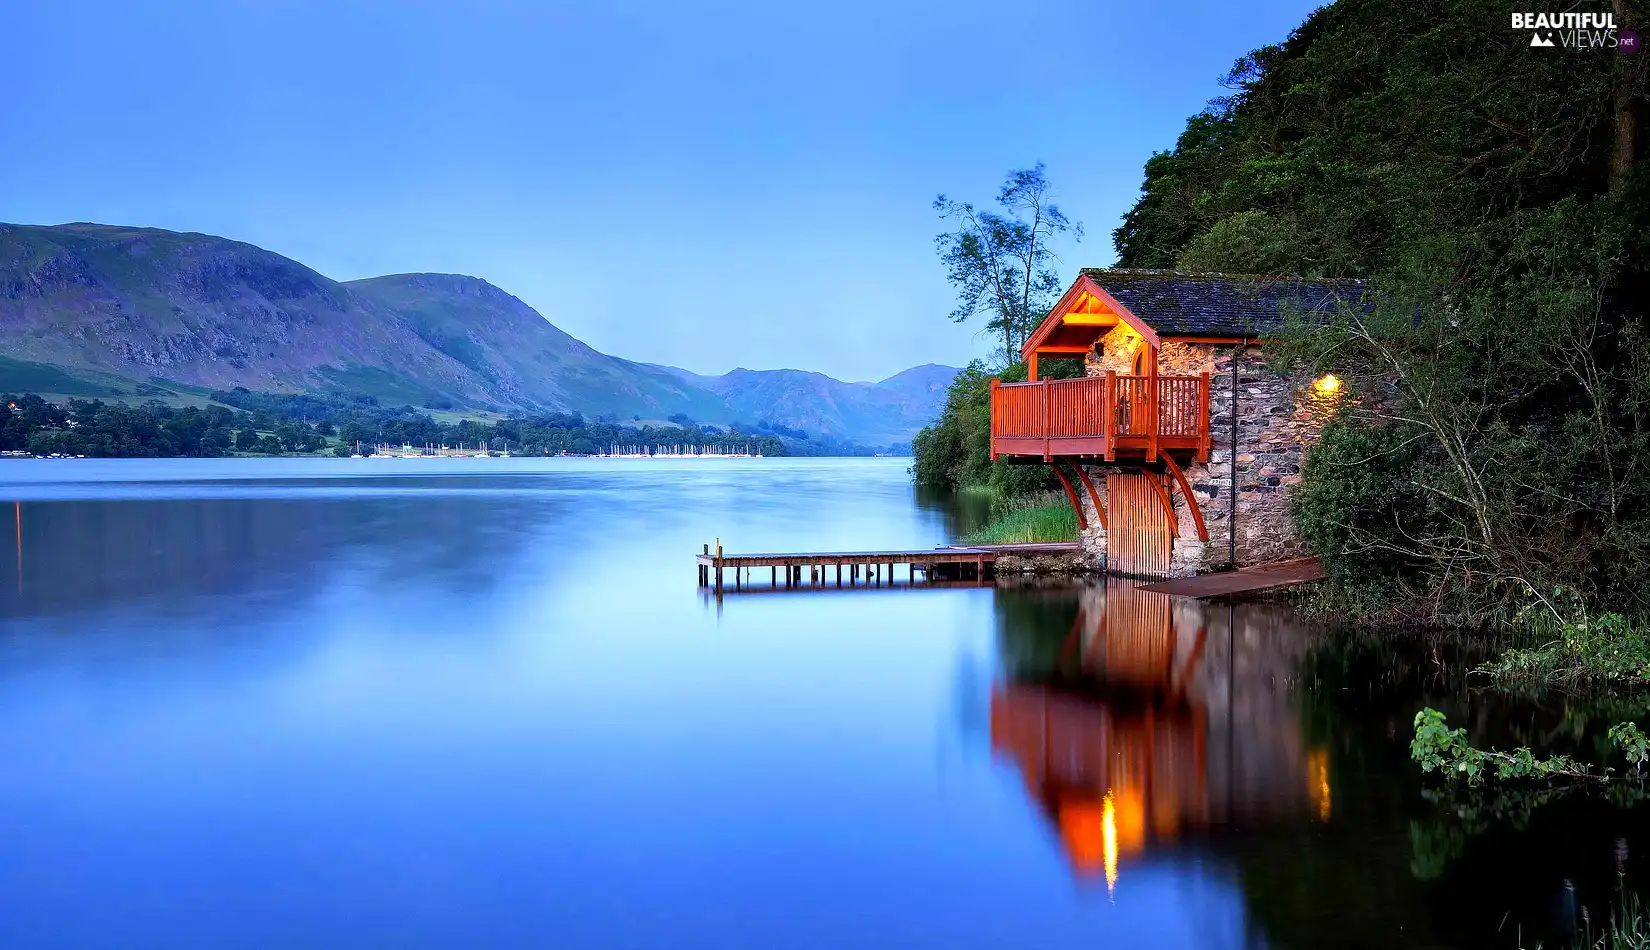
482 703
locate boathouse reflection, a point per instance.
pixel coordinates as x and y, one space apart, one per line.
1149 720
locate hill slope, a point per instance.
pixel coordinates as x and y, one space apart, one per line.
524 359
89 305
202 310
879 413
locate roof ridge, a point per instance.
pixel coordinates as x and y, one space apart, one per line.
1213 275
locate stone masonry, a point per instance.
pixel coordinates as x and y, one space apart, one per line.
1277 418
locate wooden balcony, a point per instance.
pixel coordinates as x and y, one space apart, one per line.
1106 417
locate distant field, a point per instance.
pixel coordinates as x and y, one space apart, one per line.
55 384
18 376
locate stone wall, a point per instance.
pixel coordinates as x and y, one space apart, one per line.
1277 416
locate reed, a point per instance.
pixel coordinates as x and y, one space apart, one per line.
1029 519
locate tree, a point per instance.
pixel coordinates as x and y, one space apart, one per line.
1002 263
295 436
215 442
246 439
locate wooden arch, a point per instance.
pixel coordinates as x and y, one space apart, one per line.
1179 480
1076 502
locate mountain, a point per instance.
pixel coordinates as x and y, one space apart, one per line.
878 413
144 303
525 359
98 309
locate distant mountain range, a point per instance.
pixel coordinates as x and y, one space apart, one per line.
94 309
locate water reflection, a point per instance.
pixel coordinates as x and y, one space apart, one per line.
1152 721
361 709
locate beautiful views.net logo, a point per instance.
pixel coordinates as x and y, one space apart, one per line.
1578 31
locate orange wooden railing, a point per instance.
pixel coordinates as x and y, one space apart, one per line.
1076 407
1107 407
1019 409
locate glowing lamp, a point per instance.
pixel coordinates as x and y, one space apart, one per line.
1327 384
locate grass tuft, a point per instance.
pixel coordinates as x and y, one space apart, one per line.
1032 519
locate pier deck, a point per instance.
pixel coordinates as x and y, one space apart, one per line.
1248 580
862 567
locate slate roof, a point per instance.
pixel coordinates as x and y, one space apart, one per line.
1185 304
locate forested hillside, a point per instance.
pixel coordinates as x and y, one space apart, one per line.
1495 194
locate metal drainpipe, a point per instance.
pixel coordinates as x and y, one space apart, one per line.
1231 463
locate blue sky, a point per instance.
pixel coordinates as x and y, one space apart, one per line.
710 184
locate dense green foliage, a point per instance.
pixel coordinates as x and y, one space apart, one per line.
1438 748
1575 647
955 451
273 424
30 424
1500 367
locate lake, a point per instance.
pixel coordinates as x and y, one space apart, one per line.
483 703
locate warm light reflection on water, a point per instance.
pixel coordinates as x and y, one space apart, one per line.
1109 830
1317 767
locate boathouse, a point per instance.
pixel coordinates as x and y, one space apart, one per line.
1184 444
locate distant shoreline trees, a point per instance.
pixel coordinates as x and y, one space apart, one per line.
245 422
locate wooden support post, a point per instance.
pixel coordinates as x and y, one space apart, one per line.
773 575
1153 409
1204 422
1048 429
1110 418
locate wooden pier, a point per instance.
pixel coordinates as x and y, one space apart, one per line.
857 568
1248 580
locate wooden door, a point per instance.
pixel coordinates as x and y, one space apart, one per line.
1138 542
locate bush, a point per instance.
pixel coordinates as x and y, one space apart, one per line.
1354 495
